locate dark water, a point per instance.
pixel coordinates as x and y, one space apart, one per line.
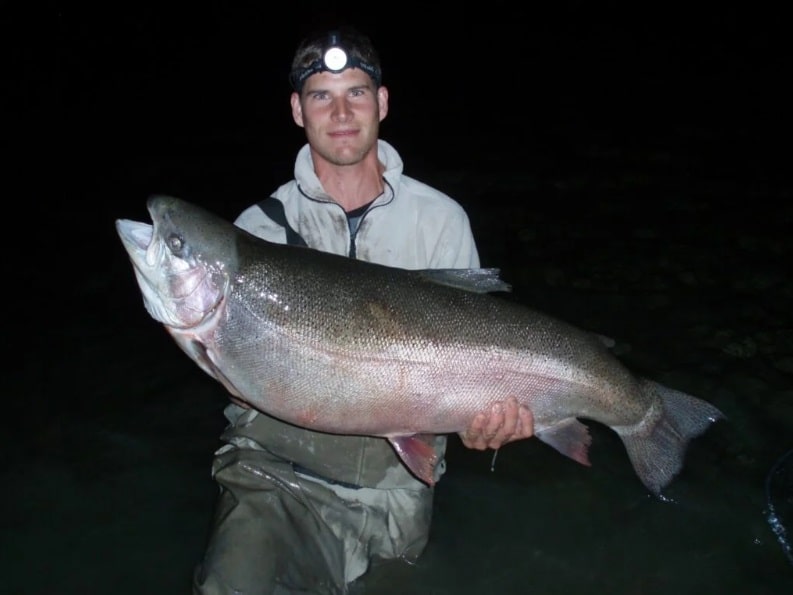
627 179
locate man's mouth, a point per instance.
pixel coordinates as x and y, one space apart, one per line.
343 133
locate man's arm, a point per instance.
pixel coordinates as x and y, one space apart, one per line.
505 422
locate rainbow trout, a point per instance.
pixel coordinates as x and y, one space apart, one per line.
345 346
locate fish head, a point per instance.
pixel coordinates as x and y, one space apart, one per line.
181 261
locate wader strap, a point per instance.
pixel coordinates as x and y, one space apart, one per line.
274 209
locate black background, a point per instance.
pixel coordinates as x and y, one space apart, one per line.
641 147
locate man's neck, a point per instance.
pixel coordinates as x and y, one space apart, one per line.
352 186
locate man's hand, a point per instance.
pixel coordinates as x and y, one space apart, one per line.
505 422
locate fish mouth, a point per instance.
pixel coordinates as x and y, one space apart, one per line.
136 238
178 293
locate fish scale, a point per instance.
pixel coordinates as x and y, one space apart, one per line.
350 347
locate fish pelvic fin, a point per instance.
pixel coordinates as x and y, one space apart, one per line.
570 437
419 455
656 446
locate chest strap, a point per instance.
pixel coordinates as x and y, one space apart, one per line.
274 209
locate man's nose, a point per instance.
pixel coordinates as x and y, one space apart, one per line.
341 110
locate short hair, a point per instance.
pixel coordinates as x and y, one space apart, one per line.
309 54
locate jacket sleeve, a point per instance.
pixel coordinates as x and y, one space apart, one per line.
455 247
253 220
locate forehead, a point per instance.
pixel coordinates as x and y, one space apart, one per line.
351 77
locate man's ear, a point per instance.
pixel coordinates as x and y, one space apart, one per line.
297 109
382 102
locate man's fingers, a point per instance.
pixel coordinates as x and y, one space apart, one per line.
505 422
511 417
517 424
526 420
472 438
495 422
478 424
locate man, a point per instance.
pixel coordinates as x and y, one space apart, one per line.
304 511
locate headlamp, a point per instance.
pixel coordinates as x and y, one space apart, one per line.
335 58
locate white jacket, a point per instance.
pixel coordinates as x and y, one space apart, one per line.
411 225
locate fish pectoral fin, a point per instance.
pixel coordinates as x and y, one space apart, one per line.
419 455
570 437
199 354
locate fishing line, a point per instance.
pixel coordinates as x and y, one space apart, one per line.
776 525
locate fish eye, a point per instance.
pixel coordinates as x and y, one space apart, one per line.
175 243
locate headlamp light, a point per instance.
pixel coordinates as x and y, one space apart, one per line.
335 58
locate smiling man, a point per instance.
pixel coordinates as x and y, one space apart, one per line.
304 511
341 115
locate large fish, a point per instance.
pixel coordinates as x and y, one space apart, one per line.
344 346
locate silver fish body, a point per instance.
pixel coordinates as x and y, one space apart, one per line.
350 347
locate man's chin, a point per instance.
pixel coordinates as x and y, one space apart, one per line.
347 156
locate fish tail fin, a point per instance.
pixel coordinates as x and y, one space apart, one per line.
656 445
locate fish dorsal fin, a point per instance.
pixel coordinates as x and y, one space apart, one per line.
474 280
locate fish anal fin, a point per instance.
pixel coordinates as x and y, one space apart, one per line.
570 437
419 455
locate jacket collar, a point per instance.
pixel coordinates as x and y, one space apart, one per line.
310 185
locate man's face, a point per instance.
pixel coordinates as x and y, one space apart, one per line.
341 114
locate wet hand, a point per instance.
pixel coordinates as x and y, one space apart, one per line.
505 422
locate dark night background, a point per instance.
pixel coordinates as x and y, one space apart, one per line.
626 167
